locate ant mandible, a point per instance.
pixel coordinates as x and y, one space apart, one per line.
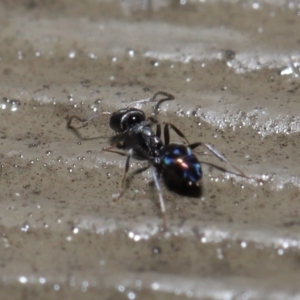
174 162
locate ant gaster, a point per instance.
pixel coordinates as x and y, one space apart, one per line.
176 163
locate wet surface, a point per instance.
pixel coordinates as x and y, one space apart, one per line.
235 78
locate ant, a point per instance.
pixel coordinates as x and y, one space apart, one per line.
176 163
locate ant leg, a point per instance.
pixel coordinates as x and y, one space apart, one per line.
208 147
85 120
222 158
167 133
125 173
116 143
178 132
158 130
161 199
126 167
168 97
153 98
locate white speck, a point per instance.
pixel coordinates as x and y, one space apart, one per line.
121 288
131 295
137 238
72 54
42 280
243 244
285 245
131 53
287 71
20 55
155 286
23 279
93 56
219 253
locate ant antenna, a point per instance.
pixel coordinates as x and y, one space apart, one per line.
153 99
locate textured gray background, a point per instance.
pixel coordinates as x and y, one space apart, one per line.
233 67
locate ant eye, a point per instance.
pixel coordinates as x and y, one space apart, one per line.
132 118
125 118
135 120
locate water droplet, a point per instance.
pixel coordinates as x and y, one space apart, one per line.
243 244
131 295
56 287
121 288
94 108
286 71
72 54
285 245
280 251
155 286
92 55
42 280
20 55
203 240
220 253
137 238
25 227
156 250
23 279
131 53
114 59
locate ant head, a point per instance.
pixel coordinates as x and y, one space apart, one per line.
126 118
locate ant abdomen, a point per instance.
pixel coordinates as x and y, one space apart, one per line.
180 163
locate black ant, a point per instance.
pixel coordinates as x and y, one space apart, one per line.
176 163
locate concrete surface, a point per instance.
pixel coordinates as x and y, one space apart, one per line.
233 67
